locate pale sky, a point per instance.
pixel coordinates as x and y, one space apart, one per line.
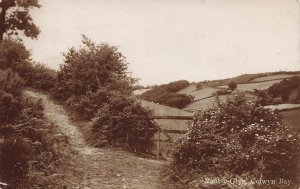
168 40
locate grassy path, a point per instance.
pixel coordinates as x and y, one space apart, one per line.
94 168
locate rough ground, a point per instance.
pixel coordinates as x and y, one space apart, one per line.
94 168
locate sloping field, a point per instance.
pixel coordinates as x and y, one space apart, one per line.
140 91
161 110
188 90
252 86
273 77
292 119
198 94
210 102
204 104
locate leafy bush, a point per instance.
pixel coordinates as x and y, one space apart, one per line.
177 85
94 82
222 92
232 85
15 56
123 121
30 148
39 76
241 138
10 91
14 156
284 88
199 85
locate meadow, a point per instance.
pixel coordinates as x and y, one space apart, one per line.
273 77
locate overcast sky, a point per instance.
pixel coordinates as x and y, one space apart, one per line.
167 40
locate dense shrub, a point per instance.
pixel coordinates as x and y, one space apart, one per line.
118 122
241 138
93 81
166 94
15 56
222 92
30 148
177 85
284 88
10 91
14 156
199 85
232 85
39 76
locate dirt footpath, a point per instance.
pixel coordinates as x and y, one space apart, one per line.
94 168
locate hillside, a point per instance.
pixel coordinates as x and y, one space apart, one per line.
204 96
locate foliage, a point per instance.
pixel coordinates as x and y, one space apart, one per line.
199 85
223 92
166 94
15 154
15 56
284 88
177 85
93 81
232 85
10 91
39 76
119 122
263 98
15 17
90 68
29 149
241 138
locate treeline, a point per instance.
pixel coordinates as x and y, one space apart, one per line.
166 94
93 82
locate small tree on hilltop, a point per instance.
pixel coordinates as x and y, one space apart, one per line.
241 138
232 85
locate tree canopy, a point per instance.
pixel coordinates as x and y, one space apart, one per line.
15 17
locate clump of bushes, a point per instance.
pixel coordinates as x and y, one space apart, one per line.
177 85
223 92
30 150
166 94
284 88
15 56
10 91
239 138
232 85
94 83
119 122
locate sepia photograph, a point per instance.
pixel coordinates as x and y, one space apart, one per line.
149 94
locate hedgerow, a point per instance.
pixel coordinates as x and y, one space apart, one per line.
166 94
239 138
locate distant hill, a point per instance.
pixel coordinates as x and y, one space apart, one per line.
203 92
247 78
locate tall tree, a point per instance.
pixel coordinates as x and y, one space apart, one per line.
14 17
